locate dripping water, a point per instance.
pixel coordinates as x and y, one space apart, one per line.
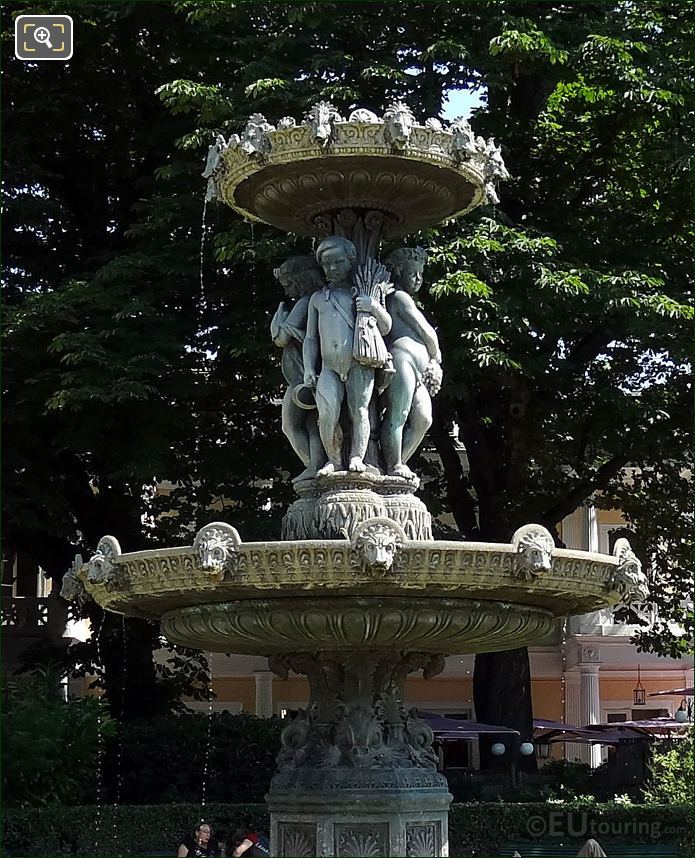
119 748
201 258
208 737
100 743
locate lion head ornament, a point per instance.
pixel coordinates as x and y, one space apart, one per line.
376 543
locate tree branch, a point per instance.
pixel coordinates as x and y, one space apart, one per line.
458 489
567 505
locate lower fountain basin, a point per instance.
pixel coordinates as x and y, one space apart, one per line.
349 624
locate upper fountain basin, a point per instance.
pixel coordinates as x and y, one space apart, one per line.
414 176
378 561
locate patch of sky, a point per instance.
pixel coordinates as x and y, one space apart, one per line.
460 102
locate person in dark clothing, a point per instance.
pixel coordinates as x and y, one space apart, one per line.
200 845
250 844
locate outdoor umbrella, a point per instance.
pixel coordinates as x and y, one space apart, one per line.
675 692
459 728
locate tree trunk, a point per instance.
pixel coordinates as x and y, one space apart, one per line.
502 696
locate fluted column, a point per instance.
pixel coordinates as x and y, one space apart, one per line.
264 693
590 698
573 715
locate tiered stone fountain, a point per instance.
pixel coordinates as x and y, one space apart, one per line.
356 595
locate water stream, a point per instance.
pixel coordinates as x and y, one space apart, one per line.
119 747
201 276
208 738
100 744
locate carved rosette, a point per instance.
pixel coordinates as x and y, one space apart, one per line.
534 550
628 579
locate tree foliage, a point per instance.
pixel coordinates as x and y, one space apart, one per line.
563 313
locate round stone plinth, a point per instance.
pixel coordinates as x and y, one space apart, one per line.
335 505
436 625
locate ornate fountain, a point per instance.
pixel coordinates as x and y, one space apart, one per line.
356 595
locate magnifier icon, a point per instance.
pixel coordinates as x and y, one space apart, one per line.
43 37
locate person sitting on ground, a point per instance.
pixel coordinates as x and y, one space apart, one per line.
200 844
250 843
591 849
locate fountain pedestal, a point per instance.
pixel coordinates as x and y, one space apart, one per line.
357 772
370 821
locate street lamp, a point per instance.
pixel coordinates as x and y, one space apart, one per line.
639 694
543 750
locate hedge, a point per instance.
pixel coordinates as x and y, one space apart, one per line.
475 829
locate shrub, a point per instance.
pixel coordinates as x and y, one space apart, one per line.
163 759
474 829
124 830
672 774
49 745
51 749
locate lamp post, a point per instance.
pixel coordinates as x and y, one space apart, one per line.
639 694
543 750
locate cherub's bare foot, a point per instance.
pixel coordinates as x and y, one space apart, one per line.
402 471
356 464
327 469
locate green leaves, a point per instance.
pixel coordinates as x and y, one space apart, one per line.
188 96
461 283
267 86
671 774
522 39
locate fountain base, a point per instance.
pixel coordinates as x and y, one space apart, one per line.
375 820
